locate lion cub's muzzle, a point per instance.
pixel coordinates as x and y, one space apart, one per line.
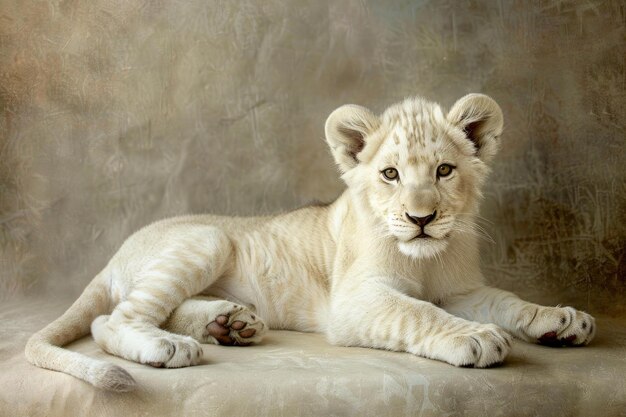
421 222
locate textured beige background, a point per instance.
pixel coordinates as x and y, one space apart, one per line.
118 113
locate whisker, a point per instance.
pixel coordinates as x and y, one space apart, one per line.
474 232
476 216
474 226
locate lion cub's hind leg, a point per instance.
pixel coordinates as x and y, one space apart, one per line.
187 262
215 321
136 341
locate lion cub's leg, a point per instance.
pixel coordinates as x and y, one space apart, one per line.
553 326
377 315
216 321
145 343
185 266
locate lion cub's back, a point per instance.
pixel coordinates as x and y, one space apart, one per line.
152 241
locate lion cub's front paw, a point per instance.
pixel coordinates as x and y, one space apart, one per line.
559 326
235 325
480 346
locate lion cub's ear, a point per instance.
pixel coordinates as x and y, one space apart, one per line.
480 117
347 129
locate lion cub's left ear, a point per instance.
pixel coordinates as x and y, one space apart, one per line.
480 117
347 130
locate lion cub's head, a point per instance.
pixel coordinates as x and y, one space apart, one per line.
417 169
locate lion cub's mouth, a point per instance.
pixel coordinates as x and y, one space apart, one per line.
422 236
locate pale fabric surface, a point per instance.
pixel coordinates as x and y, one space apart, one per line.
300 374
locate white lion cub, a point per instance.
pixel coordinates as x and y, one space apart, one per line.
392 263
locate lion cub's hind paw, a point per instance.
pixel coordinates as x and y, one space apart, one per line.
239 327
172 351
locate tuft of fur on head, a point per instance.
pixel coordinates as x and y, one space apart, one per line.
415 138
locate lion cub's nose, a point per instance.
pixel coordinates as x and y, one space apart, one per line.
421 221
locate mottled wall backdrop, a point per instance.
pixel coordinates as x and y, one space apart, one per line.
116 113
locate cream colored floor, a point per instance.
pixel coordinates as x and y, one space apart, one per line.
300 374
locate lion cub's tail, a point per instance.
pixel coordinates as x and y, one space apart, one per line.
44 348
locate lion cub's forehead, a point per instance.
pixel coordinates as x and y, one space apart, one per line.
416 130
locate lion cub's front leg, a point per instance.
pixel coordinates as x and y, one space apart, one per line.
552 326
216 321
377 315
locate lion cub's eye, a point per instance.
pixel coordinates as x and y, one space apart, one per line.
444 170
390 174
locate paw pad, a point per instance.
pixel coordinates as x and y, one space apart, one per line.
220 330
551 339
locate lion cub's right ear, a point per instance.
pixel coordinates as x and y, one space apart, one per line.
347 129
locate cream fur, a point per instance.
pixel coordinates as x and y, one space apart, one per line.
353 270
